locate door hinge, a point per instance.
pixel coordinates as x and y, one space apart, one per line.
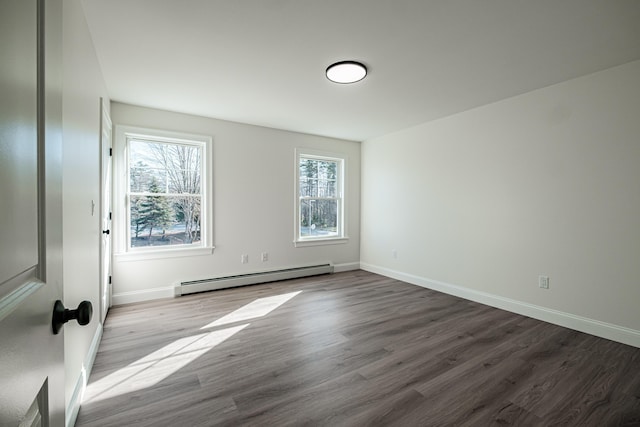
110 152
109 279
109 215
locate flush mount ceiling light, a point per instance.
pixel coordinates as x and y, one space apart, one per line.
344 72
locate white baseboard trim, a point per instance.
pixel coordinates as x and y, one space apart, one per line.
583 324
81 384
349 266
143 295
169 292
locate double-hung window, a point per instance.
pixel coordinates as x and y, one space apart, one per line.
320 198
165 192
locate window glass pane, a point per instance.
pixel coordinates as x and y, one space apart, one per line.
318 218
318 178
326 188
145 152
165 220
143 179
176 167
308 187
304 187
331 170
184 181
308 177
139 178
308 168
183 168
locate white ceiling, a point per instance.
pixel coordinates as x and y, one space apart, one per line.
263 61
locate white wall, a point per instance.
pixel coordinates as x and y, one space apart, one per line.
83 87
547 183
253 204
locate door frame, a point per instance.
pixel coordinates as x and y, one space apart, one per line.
106 191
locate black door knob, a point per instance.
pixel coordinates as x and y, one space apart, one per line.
62 315
105 231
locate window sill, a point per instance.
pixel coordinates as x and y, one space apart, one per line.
320 242
163 254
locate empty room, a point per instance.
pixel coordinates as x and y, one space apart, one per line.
285 212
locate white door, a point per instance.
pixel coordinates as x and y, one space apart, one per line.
31 356
105 211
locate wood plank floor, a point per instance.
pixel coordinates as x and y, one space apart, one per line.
351 349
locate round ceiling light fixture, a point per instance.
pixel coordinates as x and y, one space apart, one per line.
345 72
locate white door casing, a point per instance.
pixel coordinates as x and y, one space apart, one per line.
31 356
105 210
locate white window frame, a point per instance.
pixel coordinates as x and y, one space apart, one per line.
121 215
342 237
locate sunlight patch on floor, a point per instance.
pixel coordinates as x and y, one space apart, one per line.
258 308
157 366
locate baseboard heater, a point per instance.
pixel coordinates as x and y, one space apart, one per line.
216 283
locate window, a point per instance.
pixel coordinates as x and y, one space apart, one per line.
320 199
165 191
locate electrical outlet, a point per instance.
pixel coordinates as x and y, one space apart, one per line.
394 254
543 282
264 257
244 258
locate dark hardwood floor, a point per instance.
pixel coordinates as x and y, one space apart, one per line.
351 349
